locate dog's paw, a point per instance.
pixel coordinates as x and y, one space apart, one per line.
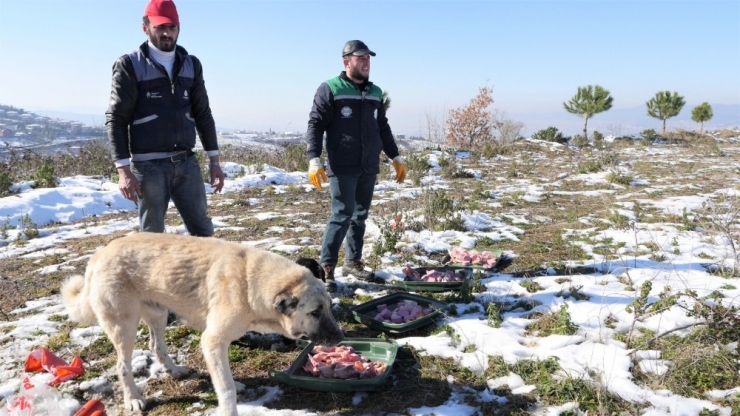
135 405
178 371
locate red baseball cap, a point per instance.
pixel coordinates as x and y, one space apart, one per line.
162 12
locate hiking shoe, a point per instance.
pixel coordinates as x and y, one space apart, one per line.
357 269
329 283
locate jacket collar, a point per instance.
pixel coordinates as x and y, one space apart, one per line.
362 87
180 54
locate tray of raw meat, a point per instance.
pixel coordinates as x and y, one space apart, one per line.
355 364
398 312
483 259
433 279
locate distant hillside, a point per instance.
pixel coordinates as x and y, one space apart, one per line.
95 120
617 121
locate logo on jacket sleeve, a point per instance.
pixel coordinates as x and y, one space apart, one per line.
346 112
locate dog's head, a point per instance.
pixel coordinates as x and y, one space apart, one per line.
305 310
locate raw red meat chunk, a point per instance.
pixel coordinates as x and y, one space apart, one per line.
405 311
341 362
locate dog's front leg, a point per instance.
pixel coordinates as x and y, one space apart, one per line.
215 353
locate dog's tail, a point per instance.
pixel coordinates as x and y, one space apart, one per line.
75 295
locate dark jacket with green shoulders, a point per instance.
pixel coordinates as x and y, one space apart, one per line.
357 130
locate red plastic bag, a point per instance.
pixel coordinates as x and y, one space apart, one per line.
92 408
45 360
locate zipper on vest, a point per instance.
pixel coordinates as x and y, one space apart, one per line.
173 87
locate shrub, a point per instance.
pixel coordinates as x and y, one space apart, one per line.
494 315
579 141
554 323
619 178
697 369
588 166
289 157
6 181
649 135
453 172
508 130
30 229
599 142
92 159
550 134
391 231
45 176
492 149
417 167
438 209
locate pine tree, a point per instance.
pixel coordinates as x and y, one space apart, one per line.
386 100
702 113
664 106
588 101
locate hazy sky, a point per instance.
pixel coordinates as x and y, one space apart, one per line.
263 60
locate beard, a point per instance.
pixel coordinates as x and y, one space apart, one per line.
355 73
164 43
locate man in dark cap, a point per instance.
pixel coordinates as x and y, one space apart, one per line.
158 101
350 110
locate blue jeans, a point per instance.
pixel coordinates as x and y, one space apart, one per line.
181 181
351 195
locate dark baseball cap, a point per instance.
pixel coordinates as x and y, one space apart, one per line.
357 48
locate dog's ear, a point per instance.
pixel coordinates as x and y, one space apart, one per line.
322 274
313 266
285 303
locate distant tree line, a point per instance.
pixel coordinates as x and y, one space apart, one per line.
473 125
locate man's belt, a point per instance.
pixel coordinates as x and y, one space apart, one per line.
181 156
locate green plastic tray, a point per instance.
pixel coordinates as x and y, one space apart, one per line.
365 313
373 349
434 286
495 251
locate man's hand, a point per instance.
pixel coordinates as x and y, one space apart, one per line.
400 169
316 173
217 177
128 184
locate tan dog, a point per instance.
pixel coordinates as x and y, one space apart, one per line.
221 288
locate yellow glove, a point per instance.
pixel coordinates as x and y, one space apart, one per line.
400 169
316 173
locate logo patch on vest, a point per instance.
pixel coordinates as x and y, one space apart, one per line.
185 94
155 94
346 112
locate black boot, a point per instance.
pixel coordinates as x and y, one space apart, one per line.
357 269
329 283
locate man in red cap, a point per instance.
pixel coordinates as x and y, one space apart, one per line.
158 101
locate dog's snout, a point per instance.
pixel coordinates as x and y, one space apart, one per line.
329 335
330 340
